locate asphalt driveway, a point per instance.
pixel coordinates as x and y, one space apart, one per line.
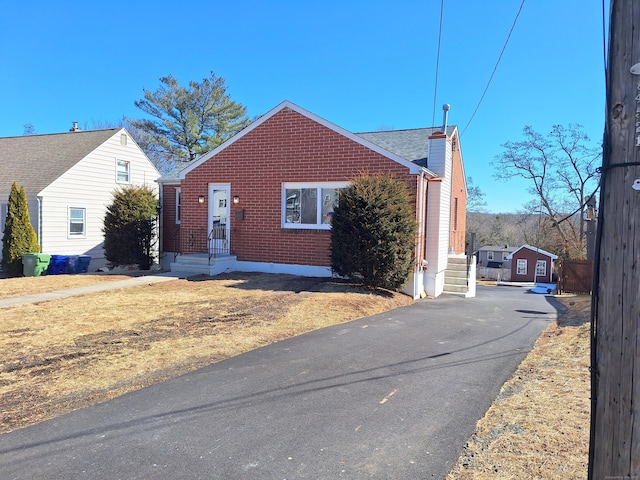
393 396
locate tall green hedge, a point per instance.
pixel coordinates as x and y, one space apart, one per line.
19 235
373 232
130 227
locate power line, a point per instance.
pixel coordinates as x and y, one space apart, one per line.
494 68
435 88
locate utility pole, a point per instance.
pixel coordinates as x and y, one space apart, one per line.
615 424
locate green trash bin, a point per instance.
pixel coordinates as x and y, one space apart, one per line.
35 264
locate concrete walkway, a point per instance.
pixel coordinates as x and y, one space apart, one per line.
392 396
99 287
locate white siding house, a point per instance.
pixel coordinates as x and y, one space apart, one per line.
69 179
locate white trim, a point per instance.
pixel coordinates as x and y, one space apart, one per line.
534 249
178 200
413 168
292 269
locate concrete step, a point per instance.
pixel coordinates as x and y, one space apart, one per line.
189 265
455 281
457 289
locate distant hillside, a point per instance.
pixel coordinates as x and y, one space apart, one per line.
515 229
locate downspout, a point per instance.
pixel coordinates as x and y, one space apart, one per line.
418 280
39 200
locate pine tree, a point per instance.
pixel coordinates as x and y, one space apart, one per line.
373 232
19 235
130 227
187 121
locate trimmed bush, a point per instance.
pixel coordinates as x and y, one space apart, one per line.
130 227
19 235
373 232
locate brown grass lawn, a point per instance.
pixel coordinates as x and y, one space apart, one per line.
61 355
65 354
538 427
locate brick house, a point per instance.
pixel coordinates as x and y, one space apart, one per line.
531 264
262 201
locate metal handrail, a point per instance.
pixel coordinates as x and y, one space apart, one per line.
218 242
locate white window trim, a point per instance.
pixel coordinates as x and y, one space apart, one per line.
505 256
543 264
317 185
128 163
522 263
84 223
489 255
178 205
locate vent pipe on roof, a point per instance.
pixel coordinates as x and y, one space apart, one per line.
445 117
75 127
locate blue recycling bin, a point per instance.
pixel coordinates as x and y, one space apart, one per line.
82 263
58 264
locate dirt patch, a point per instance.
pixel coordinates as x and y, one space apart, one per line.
538 427
69 353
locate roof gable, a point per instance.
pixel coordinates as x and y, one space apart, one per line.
36 161
413 168
534 249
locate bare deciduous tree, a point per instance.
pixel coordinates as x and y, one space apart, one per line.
561 170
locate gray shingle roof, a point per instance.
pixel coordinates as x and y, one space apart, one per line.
409 144
35 161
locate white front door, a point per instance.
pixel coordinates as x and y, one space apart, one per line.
219 209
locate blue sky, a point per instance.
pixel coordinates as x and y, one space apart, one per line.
361 64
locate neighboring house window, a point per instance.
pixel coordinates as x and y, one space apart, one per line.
541 268
307 205
178 205
522 266
489 255
123 171
505 256
77 222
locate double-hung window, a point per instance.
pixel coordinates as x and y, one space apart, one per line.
521 268
77 222
489 255
541 268
123 171
309 205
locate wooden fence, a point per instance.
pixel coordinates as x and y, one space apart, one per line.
575 276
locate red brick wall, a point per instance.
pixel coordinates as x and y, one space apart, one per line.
288 147
169 227
459 192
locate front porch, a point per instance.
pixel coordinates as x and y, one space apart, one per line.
197 251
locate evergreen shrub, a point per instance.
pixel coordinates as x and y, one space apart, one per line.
19 235
373 232
130 227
